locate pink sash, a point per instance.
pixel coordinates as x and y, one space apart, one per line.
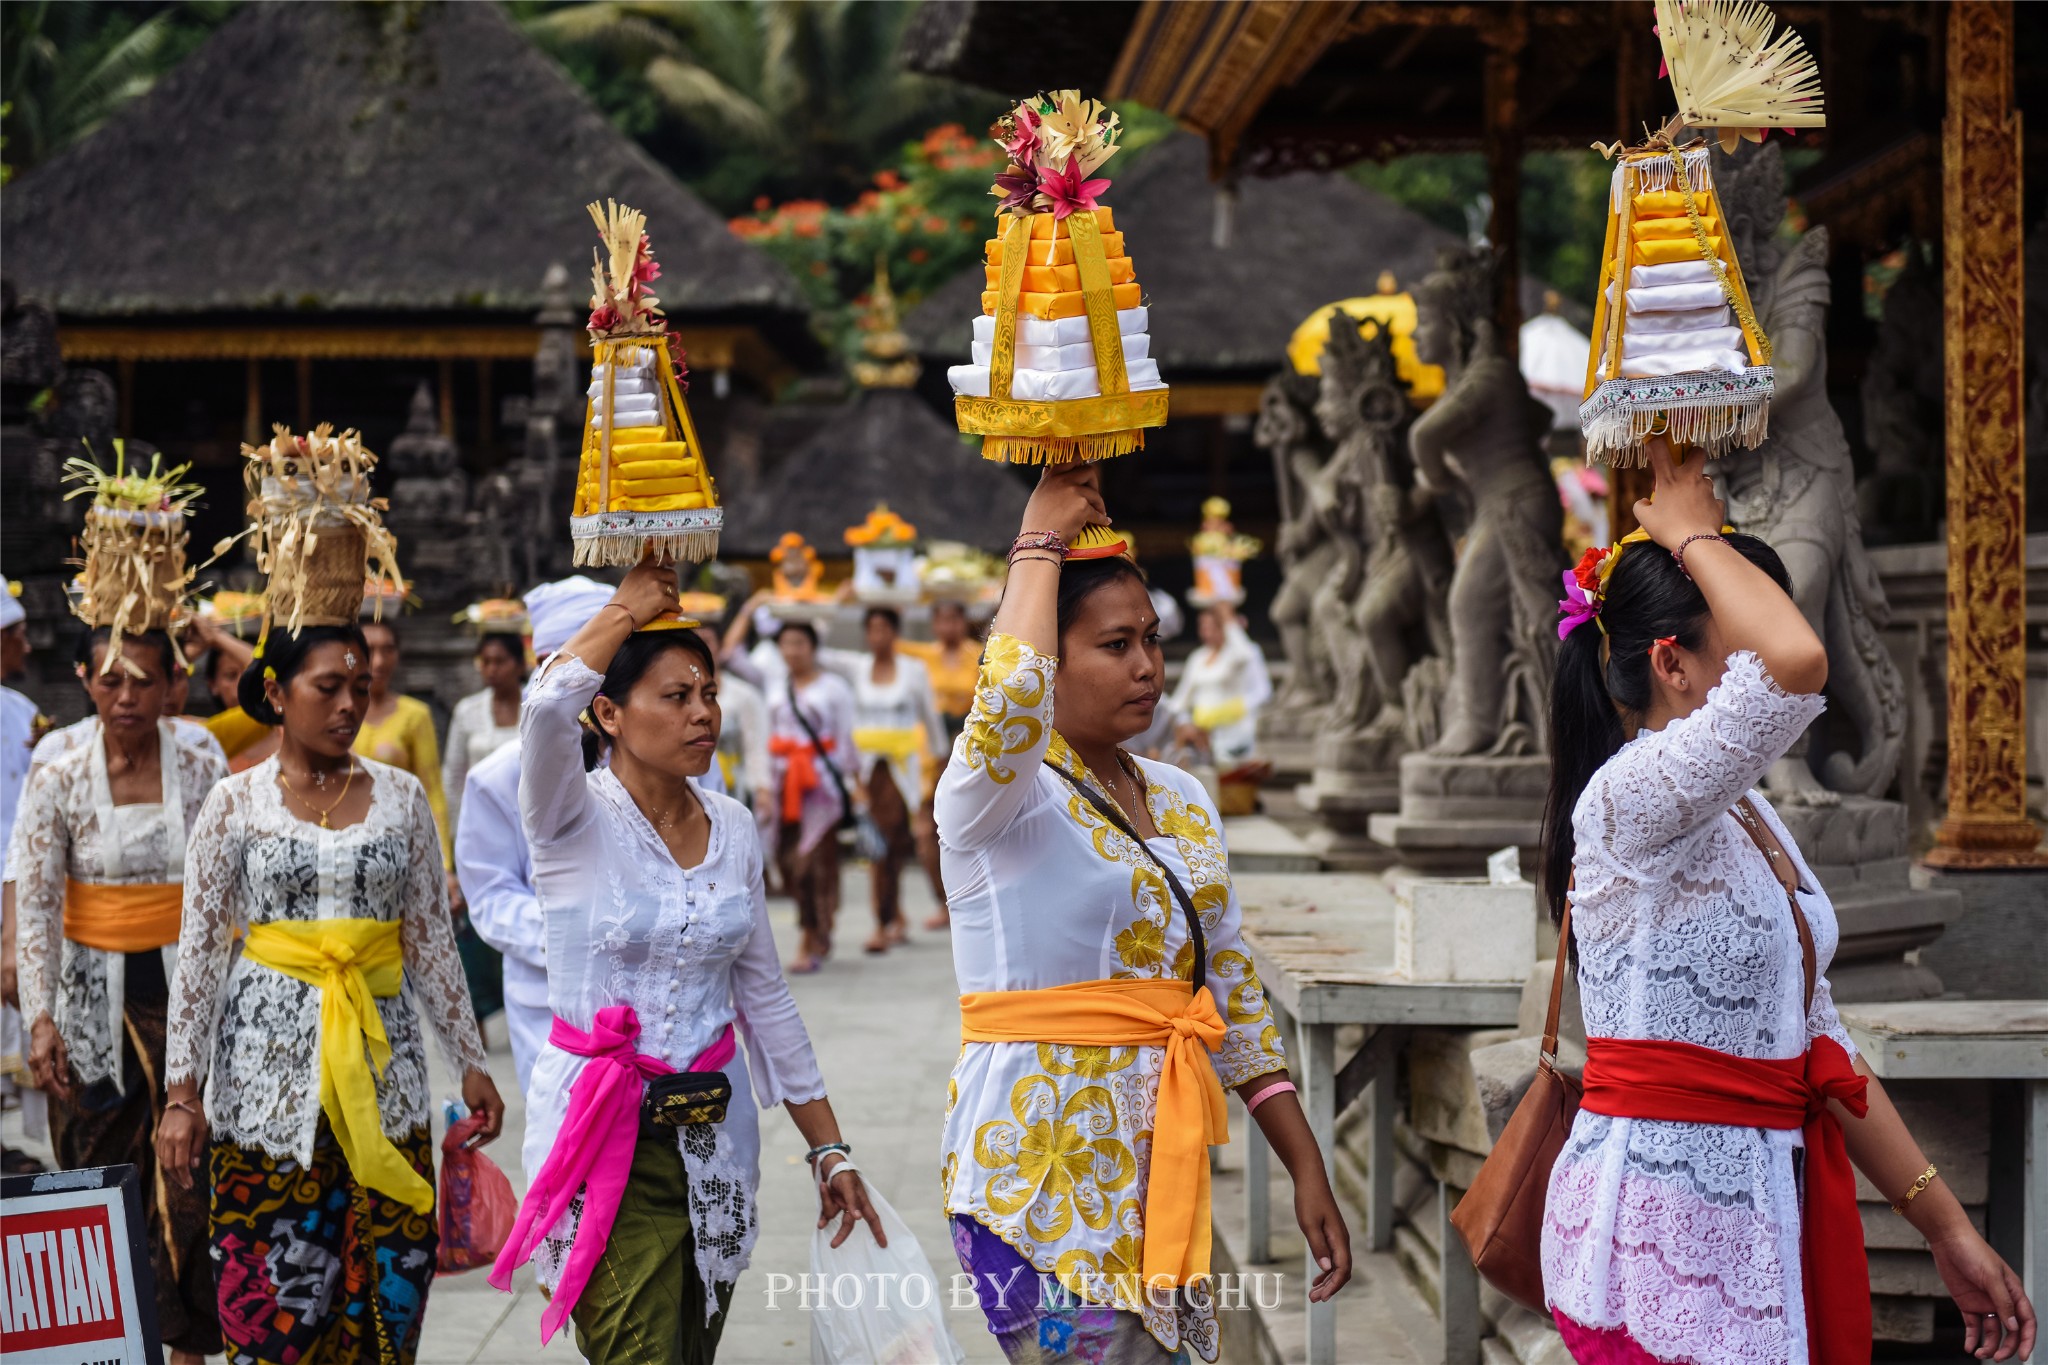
593 1151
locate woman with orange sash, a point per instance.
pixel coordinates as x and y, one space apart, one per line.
98 858
1107 1000
1679 1226
325 868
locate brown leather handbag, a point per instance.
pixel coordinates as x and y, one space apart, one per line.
1501 1216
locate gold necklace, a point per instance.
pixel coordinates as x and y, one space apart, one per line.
323 814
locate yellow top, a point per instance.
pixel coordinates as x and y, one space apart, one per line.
405 739
236 730
952 684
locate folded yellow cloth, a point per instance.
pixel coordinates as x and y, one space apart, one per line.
1658 229
634 436
1052 250
122 919
353 962
1068 304
1664 204
1045 225
1053 279
654 488
1190 1117
1674 250
653 469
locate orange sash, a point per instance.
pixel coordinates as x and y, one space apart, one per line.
799 773
1191 1117
123 919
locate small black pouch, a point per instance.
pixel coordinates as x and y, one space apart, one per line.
682 1098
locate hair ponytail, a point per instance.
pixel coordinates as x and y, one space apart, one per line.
1603 685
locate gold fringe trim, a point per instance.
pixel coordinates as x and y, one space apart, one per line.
1060 449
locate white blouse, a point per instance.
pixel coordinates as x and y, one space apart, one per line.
252 1034
473 736
1048 1145
70 828
1688 1233
1221 690
690 949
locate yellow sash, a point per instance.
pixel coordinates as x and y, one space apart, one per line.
1191 1117
122 919
1212 714
351 961
898 744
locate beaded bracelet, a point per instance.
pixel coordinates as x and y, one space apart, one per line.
1679 553
1040 540
1926 1179
825 1149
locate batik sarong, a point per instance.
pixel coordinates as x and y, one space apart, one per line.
108 1125
311 1264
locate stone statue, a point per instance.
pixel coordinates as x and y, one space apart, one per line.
1306 547
430 507
1798 491
1381 608
1903 417
545 469
1484 436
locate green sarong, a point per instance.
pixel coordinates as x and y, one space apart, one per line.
644 1304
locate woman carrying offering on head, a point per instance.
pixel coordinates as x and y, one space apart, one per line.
1679 1226
641 1213
897 733
1107 998
810 737
99 854
313 1135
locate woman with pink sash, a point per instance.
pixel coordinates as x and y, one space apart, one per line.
660 961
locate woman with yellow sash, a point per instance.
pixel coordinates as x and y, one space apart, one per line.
1106 996
896 733
99 852
327 867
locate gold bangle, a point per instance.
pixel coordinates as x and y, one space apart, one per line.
1926 1179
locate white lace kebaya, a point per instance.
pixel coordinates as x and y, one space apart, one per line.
1687 1234
690 949
252 1034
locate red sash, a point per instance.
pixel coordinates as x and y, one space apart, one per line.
1640 1079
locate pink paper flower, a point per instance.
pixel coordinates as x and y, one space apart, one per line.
1067 191
1017 186
1021 139
646 268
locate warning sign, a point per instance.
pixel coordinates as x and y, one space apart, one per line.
75 1284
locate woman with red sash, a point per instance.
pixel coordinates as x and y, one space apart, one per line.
1704 1207
658 945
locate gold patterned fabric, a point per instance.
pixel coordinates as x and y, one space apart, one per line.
1048 1145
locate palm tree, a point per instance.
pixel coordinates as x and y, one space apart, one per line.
785 98
69 66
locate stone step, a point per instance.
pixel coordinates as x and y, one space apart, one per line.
1259 843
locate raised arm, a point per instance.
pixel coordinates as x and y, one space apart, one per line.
553 797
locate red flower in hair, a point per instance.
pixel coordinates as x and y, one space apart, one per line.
1587 571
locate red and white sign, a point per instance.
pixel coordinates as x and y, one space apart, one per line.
68 1294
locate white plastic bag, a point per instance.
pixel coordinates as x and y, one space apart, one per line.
878 1305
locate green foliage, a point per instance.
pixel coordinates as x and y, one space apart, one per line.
70 66
1563 207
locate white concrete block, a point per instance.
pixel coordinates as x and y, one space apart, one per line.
1463 930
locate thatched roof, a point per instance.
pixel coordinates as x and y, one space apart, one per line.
1297 242
887 445
359 158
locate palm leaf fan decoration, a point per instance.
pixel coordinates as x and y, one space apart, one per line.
1730 73
621 270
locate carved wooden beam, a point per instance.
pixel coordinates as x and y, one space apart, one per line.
1983 303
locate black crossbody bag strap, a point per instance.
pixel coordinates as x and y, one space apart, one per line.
846 813
1111 812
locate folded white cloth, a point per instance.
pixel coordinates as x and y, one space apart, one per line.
628 383
1635 343
1672 298
1064 332
1679 362
635 412
1677 272
1079 356
1039 386
1684 320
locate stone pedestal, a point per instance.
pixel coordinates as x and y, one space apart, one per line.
1353 780
1288 739
1463 930
1860 852
1455 812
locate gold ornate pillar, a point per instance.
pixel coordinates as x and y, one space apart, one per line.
1982 304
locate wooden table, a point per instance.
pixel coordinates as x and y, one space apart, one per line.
1958 1040
1324 947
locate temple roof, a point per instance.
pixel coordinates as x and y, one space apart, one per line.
359 158
886 446
1297 242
